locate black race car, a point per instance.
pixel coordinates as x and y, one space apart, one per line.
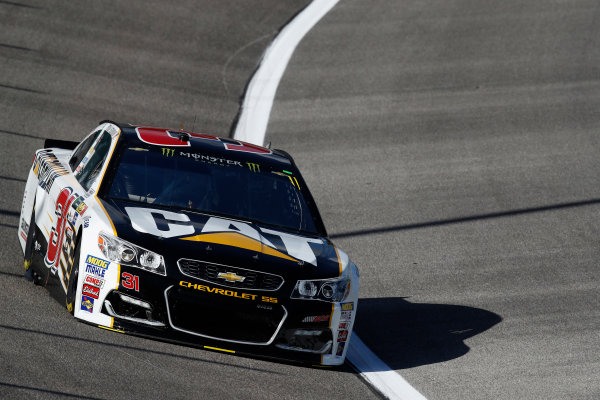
191 238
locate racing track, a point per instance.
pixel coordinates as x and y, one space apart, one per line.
452 148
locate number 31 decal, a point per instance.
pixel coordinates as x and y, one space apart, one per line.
131 282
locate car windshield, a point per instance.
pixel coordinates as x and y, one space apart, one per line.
206 183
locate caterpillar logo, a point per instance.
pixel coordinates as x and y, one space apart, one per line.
231 277
168 152
253 167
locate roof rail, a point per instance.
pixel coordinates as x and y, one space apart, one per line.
285 154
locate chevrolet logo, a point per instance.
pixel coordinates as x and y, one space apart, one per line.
231 277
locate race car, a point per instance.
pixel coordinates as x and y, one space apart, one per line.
190 238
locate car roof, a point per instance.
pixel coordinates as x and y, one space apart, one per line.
193 141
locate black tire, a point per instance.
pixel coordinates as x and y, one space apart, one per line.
73 278
29 246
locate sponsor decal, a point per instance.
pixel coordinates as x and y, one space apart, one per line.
91 260
340 348
230 293
224 231
87 303
347 306
94 270
47 168
59 230
72 217
346 316
253 167
144 220
79 206
81 209
316 318
24 226
168 152
24 236
93 280
231 277
342 336
91 291
86 222
211 159
37 246
131 282
343 325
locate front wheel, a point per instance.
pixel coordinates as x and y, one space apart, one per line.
73 278
29 248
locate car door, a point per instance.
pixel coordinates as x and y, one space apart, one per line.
86 162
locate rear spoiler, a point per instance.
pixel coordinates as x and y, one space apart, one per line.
61 144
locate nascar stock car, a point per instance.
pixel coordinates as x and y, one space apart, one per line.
188 237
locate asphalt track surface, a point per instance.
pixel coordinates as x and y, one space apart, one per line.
452 147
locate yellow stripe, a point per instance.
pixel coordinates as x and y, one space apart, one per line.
218 349
107 216
112 320
118 276
110 329
51 220
339 259
238 240
101 182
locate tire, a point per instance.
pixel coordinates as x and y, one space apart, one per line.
29 246
73 278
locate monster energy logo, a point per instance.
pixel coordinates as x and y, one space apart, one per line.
168 152
253 167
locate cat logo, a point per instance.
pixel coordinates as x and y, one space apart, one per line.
231 277
253 167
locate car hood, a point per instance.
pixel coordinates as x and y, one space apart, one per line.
177 234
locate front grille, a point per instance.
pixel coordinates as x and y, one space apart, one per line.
229 319
209 272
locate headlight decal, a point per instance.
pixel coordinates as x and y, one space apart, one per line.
129 254
337 253
330 290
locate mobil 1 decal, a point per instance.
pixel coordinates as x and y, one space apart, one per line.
61 242
170 224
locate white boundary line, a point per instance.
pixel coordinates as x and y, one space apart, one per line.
252 126
258 100
378 374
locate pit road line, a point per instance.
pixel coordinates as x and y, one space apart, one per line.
252 126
